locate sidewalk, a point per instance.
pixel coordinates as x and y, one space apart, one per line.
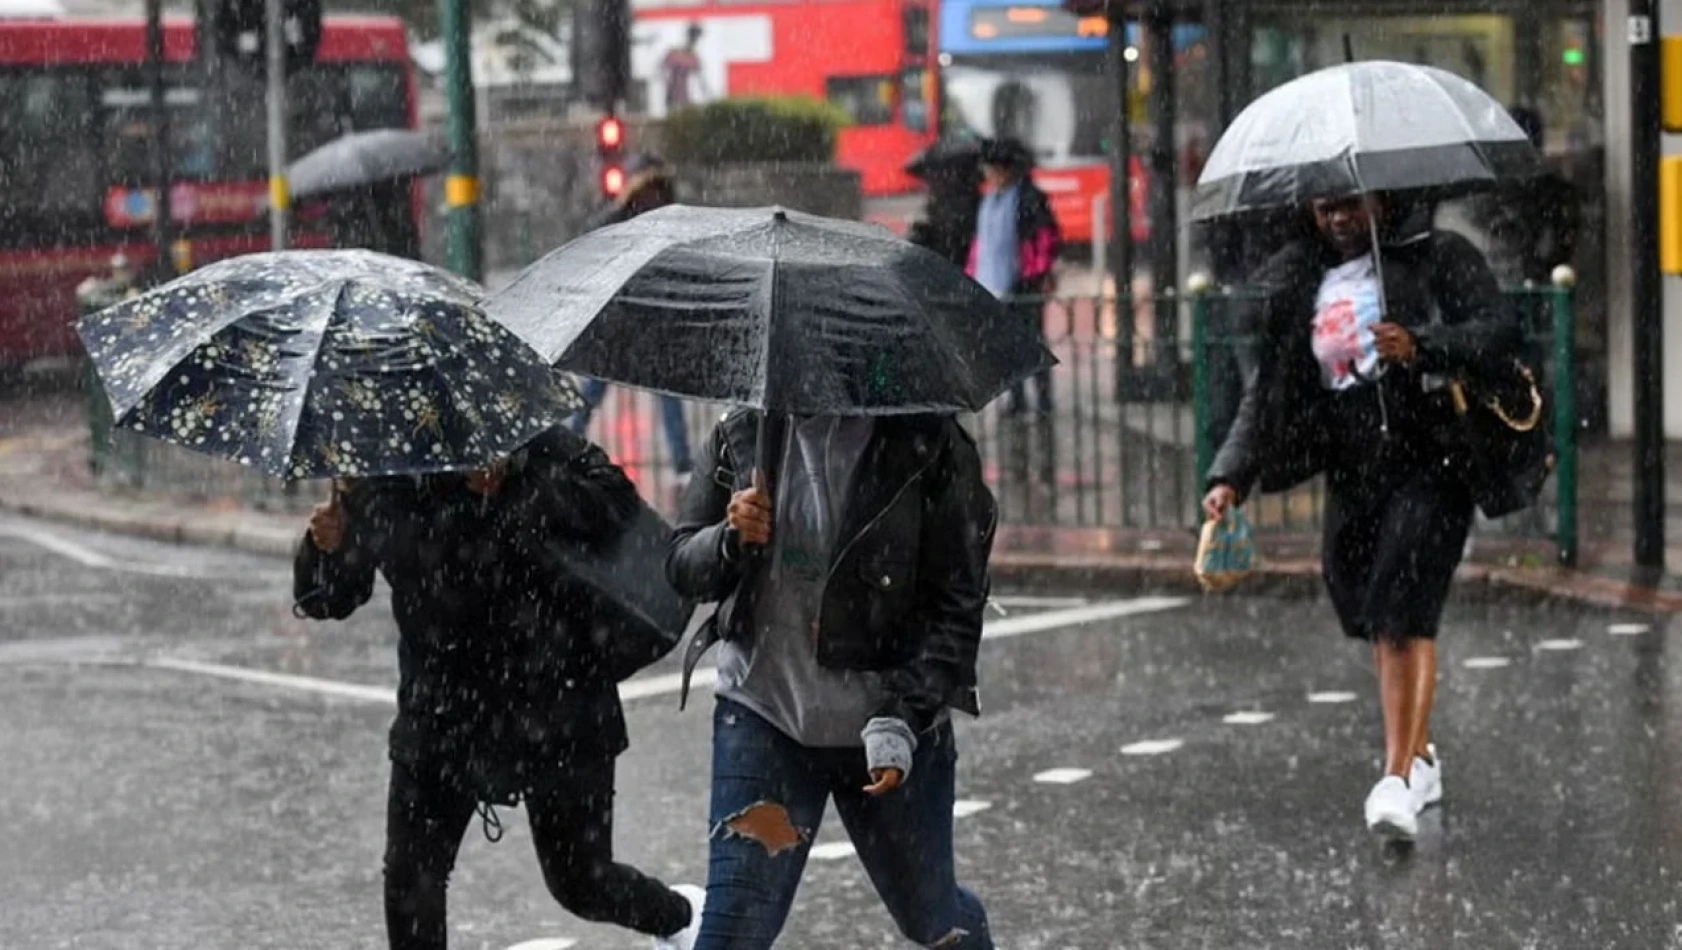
43 474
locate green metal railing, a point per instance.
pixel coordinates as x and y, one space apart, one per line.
1555 302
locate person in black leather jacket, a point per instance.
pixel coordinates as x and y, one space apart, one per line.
1351 381
850 608
501 697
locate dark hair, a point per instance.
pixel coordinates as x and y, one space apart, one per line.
1530 121
1006 153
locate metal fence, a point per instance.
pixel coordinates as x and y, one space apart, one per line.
1131 417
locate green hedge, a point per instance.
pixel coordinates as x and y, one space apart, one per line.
767 129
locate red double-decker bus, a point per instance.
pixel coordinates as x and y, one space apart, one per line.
77 181
873 58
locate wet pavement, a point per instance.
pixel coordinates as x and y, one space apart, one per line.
1148 774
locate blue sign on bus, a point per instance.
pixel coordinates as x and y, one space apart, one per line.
1033 26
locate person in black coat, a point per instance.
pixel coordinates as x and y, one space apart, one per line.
1351 382
501 698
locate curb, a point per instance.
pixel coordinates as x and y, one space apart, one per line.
1125 574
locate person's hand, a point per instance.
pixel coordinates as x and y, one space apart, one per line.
749 515
487 481
883 781
327 524
1219 501
1393 342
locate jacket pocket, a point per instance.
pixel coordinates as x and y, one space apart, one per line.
888 586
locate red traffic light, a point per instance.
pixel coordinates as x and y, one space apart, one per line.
610 133
613 181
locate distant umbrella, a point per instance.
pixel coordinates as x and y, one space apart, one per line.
315 364
365 158
951 153
771 309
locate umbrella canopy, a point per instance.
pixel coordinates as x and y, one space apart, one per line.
313 364
771 309
952 152
365 158
1359 128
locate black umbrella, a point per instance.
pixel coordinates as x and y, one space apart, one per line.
1360 128
954 153
365 158
771 309
313 364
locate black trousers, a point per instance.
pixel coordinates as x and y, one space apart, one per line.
572 828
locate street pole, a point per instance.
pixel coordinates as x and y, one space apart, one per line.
163 222
1157 28
280 198
1121 199
1646 290
461 187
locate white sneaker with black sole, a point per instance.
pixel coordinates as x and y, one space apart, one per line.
1426 780
685 938
1392 813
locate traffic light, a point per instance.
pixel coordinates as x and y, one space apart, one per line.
610 150
602 51
239 30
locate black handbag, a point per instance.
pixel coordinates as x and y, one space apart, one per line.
1504 426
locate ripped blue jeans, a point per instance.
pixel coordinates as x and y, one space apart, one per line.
768 798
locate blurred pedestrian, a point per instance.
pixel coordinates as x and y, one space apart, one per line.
501 696
680 68
379 216
1527 226
949 215
850 618
649 184
1015 247
1354 353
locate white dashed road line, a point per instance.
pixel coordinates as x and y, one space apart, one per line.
1063 776
1561 644
1628 629
1152 747
88 557
1486 662
665 684
1332 696
1252 718
547 943
836 850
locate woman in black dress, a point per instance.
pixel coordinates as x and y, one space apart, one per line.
1351 381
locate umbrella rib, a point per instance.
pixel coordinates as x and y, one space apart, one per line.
293 418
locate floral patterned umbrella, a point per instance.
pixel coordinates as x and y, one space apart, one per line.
320 364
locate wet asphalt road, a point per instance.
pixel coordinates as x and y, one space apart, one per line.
153 806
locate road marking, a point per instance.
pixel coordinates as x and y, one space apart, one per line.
1628 629
965 807
546 943
1254 718
1486 662
833 850
308 684
1567 643
1063 776
1332 696
1079 616
88 557
703 678
1152 747
1028 600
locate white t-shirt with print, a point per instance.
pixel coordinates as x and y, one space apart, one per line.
1345 310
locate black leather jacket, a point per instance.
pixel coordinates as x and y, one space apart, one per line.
908 581
1436 284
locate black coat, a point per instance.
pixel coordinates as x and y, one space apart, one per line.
1436 284
498 678
908 581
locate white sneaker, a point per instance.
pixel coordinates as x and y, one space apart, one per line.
1426 780
685 938
1391 812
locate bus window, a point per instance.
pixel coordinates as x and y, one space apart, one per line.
914 100
869 100
915 22
47 154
